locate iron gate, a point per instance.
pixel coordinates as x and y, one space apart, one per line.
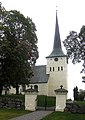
46 102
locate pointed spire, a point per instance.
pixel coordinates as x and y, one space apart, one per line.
57 49
57 41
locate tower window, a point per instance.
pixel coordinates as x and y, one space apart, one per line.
53 68
50 68
61 68
58 68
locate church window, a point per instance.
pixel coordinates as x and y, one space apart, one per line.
36 87
50 68
53 68
58 68
61 68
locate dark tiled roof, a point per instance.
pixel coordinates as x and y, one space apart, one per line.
40 75
56 53
57 49
57 40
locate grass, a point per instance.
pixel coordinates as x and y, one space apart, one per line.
6 114
64 116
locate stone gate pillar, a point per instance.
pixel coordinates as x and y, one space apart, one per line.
61 96
31 99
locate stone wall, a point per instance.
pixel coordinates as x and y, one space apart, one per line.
11 103
75 108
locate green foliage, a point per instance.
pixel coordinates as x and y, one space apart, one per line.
75 90
75 47
64 116
18 48
82 103
81 95
78 95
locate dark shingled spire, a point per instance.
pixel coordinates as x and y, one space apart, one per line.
57 49
57 41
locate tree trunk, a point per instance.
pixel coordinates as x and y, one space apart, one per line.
17 89
1 88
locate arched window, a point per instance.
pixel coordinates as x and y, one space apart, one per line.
50 68
36 87
53 69
58 68
61 68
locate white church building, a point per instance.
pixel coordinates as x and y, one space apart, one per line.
48 78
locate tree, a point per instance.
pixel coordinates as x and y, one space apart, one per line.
75 90
75 47
18 48
2 18
81 95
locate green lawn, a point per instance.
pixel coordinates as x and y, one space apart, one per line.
64 116
6 114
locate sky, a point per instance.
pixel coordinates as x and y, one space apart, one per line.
43 13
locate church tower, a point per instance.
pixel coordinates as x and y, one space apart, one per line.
56 65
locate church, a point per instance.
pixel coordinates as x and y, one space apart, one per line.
48 78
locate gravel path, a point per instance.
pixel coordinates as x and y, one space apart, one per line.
37 115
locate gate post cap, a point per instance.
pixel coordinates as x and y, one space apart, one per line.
31 90
61 90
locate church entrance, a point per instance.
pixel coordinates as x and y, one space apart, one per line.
46 102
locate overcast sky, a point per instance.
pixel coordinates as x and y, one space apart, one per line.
43 13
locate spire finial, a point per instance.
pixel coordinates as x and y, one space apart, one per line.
56 8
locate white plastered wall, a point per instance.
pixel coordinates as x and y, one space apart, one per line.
12 90
60 102
56 78
42 88
30 101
